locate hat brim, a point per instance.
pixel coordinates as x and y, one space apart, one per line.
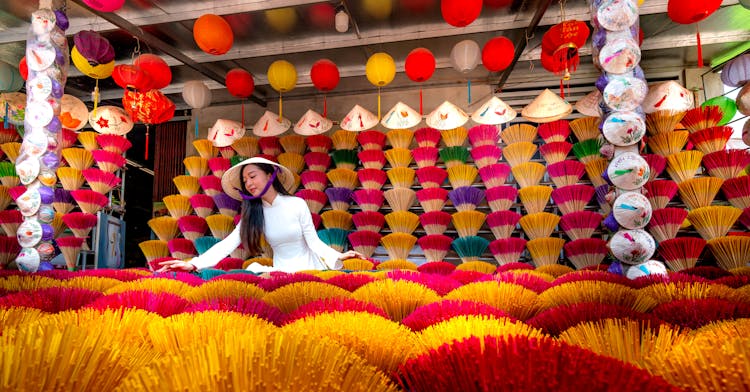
542 120
232 183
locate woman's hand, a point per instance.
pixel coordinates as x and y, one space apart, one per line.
352 255
176 265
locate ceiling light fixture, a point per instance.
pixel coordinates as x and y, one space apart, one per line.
342 20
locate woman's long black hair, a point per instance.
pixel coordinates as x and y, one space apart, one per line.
251 220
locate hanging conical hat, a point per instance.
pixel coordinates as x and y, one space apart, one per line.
401 116
589 105
494 112
225 132
447 116
110 120
73 113
312 123
359 119
269 124
668 96
547 107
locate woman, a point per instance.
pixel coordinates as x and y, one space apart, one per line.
268 209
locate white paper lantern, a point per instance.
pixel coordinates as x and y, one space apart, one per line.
465 56
196 94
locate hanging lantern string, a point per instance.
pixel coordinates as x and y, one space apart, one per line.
281 107
378 103
420 101
146 147
325 105
95 96
196 125
700 49
468 90
5 119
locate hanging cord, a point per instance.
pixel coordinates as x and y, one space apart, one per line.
325 105
700 48
378 103
281 107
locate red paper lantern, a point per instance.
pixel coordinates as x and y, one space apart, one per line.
497 54
240 83
156 68
151 107
131 77
420 65
23 68
213 34
321 15
562 42
325 75
688 12
460 13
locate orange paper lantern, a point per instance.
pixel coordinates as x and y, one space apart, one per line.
213 34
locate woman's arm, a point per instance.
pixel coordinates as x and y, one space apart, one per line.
330 257
219 251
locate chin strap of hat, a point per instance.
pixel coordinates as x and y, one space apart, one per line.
247 196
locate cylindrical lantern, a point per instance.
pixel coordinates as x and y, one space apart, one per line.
497 54
282 76
460 13
465 56
380 69
213 34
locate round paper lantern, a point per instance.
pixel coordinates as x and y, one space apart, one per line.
497 54
282 76
156 68
321 15
95 48
380 69
737 71
132 77
196 94
23 68
460 13
282 19
240 83
420 65
688 12
10 78
101 71
465 56
325 75
151 107
378 9
727 105
213 34
105 5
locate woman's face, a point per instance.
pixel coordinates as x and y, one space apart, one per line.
255 179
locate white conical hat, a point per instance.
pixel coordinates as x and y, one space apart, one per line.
401 116
225 132
269 124
589 105
312 123
447 116
546 107
668 95
73 113
494 112
359 119
111 120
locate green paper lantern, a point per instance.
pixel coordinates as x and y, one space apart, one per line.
727 105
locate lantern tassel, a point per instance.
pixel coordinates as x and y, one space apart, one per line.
196 125
468 89
281 107
325 106
420 101
145 149
96 96
700 48
5 119
562 89
378 103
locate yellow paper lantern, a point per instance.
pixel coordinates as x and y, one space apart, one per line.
101 71
282 75
378 9
282 19
380 69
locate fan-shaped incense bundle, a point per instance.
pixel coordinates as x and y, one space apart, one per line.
182 248
368 221
319 143
177 205
699 192
545 250
470 248
205 148
311 179
63 201
501 198
466 198
726 164
70 178
431 176
519 152
454 137
270 145
684 165
400 138
507 250
340 198
89 201
580 224
186 185
17 191
70 247
196 166
462 175
315 199
364 241
585 128
713 221
228 152
535 198
427 137
211 185
9 249
494 175
227 205
398 157
660 192
730 252
518 133
5 198
681 253
401 177
80 223
737 191
78 158
666 144
114 143
435 222
586 252
100 180
10 220
246 146
425 156
371 140
8 176
67 138
344 159
220 225
202 204
88 140
373 179
711 139
192 226
539 225
528 174
402 221
296 162
663 121
595 169
587 150
556 131
293 144
12 150
165 227
484 135
702 118
154 249
486 155
398 245
502 223
344 140
108 160
372 159
337 219
343 178
468 223
218 165
432 199
400 199
565 173
453 156
555 152
656 164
